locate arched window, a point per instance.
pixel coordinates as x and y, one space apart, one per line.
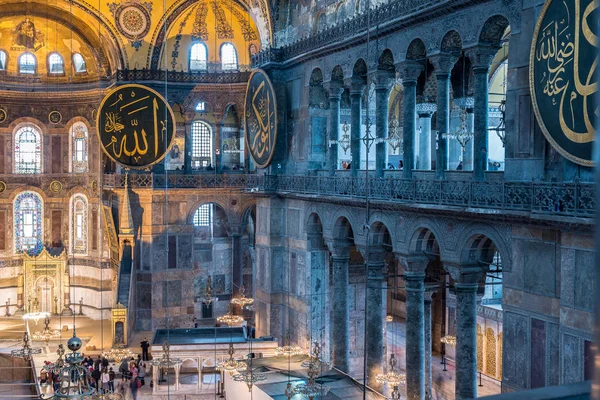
56 64
79 148
198 57
203 215
229 61
201 144
79 63
27 63
28 217
3 58
78 226
28 151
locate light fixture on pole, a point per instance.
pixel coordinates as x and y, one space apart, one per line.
391 378
396 137
118 353
500 129
248 375
47 333
241 300
230 365
26 352
311 388
209 297
449 340
230 318
166 361
462 134
344 142
315 360
74 377
35 316
288 350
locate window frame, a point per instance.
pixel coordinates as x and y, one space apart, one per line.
202 151
3 70
85 70
34 242
235 54
49 63
79 213
190 59
79 133
20 65
38 156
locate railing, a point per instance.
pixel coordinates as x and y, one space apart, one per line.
157 181
389 12
568 199
182 77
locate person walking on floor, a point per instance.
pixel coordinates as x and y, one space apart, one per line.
124 370
142 373
111 380
105 378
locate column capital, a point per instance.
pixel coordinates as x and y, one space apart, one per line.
465 102
409 71
334 89
383 80
430 289
426 109
443 64
356 85
481 57
414 264
467 275
188 117
374 254
339 248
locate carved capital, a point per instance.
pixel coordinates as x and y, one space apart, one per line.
335 89
481 57
375 255
426 109
443 64
338 248
414 264
383 80
409 71
189 116
466 275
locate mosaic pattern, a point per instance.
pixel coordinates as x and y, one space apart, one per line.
224 30
79 224
490 362
247 31
175 52
28 219
479 348
200 30
132 20
500 356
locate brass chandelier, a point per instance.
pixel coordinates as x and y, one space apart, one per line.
241 300
26 352
230 318
47 333
249 375
230 365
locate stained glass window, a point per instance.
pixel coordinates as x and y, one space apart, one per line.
28 151
79 223
27 63
201 141
79 63
56 64
79 137
28 223
203 215
229 60
198 57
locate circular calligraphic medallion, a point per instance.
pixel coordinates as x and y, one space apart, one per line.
133 21
260 118
563 76
135 125
3 115
2 186
55 187
54 117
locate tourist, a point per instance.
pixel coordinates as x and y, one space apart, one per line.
111 380
96 377
142 373
133 385
139 361
104 363
105 378
124 370
145 346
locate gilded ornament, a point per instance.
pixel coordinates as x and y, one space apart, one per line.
54 117
132 20
2 186
260 122
136 126
3 115
562 76
55 187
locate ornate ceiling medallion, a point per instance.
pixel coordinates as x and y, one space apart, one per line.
54 117
55 187
132 20
2 186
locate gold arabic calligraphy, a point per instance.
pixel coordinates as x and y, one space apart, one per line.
113 124
261 105
557 48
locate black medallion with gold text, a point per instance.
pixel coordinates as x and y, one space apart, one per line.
260 118
562 76
135 125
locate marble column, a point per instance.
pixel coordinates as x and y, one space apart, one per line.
443 65
429 291
340 254
383 84
335 95
376 312
466 283
415 326
409 72
356 91
481 59
237 274
425 111
217 147
187 145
